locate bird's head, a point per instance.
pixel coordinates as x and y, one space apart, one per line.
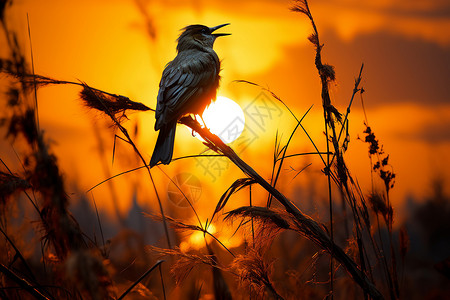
198 36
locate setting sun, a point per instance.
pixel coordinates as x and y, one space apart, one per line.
224 118
332 180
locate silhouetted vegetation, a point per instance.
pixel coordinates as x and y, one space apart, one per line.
48 252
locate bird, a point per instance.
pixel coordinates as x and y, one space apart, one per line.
188 85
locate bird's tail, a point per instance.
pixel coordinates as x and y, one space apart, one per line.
164 145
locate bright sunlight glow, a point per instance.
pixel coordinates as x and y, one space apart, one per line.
197 239
224 118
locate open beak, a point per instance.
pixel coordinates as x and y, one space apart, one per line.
217 27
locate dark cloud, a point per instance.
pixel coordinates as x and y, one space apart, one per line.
397 69
399 8
439 12
433 133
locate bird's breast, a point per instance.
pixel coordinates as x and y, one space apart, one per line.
188 85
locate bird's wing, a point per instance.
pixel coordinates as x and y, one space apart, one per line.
187 76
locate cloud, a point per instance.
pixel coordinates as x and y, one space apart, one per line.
262 30
434 132
427 20
396 70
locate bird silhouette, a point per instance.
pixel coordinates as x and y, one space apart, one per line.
188 85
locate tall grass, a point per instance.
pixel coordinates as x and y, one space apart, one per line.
74 266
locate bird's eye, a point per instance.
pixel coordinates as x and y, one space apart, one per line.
205 31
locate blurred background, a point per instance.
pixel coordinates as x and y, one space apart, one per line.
122 46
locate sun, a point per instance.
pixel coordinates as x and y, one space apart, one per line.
224 118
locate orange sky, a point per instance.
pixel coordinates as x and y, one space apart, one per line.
404 45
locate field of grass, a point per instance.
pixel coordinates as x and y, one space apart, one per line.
285 254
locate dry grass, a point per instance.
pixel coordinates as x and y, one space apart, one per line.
288 254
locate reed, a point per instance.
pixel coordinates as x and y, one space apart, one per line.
74 266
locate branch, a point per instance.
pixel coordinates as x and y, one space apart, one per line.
310 228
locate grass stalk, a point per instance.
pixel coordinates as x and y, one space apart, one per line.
312 229
124 131
23 283
157 264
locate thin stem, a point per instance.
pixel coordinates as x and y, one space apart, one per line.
330 202
136 150
159 262
18 254
304 153
34 77
34 291
310 228
253 229
285 149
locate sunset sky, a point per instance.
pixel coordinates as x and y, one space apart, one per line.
122 46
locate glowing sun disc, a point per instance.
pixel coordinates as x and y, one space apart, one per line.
224 118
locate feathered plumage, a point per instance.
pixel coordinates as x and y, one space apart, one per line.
189 83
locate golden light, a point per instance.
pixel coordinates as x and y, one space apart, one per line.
197 239
224 118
